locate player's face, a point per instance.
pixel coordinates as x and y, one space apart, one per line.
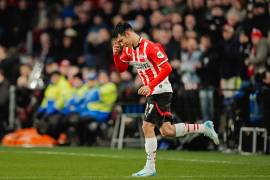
124 40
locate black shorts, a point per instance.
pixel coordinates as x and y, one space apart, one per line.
158 109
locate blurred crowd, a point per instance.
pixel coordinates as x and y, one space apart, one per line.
219 51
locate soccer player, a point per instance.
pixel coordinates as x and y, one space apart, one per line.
153 68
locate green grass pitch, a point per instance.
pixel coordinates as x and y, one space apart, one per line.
103 163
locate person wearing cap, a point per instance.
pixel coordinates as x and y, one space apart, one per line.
260 53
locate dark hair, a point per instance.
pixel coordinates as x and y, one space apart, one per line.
78 75
121 28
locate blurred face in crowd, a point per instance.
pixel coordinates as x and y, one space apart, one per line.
164 36
176 18
3 54
67 42
190 21
3 4
77 82
45 40
2 77
68 22
126 76
205 43
156 17
169 3
144 4
25 70
97 20
72 71
58 23
115 77
51 67
55 78
117 19
232 18
22 4
177 32
67 2
255 39
198 3
139 23
243 38
83 17
103 78
103 35
107 7
191 45
154 5
124 8
227 32
64 67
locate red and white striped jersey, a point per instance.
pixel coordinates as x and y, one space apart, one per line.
147 58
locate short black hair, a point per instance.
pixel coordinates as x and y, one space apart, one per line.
78 75
121 28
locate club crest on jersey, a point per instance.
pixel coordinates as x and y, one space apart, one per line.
141 65
160 54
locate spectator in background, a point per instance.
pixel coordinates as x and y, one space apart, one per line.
69 49
102 99
26 101
55 96
209 77
45 51
99 49
67 10
4 103
191 28
230 62
190 63
9 65
260 54
245 50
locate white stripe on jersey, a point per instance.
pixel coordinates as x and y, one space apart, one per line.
145 56
143 71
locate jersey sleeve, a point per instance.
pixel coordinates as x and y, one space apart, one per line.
156 53
125 57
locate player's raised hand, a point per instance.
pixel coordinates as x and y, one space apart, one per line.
144 90
116 48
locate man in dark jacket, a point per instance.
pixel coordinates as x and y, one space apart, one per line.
230 61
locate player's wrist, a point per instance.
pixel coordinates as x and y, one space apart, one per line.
151 87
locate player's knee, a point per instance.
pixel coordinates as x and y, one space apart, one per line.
147 127
166 131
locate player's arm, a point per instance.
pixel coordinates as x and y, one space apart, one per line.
119 64
157 54
165 70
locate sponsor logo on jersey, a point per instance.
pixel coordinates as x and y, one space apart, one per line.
160 54
141 65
